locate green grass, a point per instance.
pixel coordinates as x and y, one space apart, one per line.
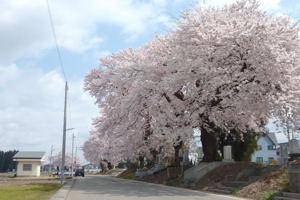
235 190
28 192
269 194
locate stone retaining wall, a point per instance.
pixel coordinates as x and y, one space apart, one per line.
194 174
294 177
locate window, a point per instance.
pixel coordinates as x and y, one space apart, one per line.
260 159
271 160
259 147
27 167
271 147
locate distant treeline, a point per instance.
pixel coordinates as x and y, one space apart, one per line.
6 160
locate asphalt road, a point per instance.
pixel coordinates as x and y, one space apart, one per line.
110 188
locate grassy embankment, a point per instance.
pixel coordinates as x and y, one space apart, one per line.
267 187
263 189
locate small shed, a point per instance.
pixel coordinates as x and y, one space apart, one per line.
29 162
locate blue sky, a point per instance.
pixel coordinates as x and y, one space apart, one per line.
31 82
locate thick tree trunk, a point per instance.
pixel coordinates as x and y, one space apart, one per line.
109 165
141 162
151 161
177 158
209 145
104 166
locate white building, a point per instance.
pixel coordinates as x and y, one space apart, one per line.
266 151
29 163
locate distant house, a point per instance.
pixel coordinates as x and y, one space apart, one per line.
29 163
267 149
91 168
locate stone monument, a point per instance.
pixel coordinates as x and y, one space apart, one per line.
294 150
158 166
159 161
185 157
227 154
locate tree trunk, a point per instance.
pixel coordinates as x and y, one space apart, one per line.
104 166
151 161
177 158
141 162
109 165
209 145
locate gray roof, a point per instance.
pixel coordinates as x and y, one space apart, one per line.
29 155
272 137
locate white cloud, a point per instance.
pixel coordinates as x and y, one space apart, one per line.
7 73
25 27
265 4
31 109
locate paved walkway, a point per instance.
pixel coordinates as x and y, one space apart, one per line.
110 188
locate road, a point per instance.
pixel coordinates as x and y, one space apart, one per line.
110 188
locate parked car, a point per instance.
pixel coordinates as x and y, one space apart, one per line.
79 172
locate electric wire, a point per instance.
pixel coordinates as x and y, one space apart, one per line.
55 39
60 60
58 54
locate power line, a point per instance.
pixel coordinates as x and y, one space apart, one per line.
58 53
55 39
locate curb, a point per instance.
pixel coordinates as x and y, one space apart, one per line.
62 193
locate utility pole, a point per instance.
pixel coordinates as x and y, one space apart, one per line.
50 166
73 137
62 168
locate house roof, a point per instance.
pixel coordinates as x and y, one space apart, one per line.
283 143
29 155
272 137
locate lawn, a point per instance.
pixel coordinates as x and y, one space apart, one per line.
28 192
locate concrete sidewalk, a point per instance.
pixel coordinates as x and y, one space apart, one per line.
63 192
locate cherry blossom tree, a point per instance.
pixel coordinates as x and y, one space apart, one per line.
239 64
224 69
57 158
129 109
